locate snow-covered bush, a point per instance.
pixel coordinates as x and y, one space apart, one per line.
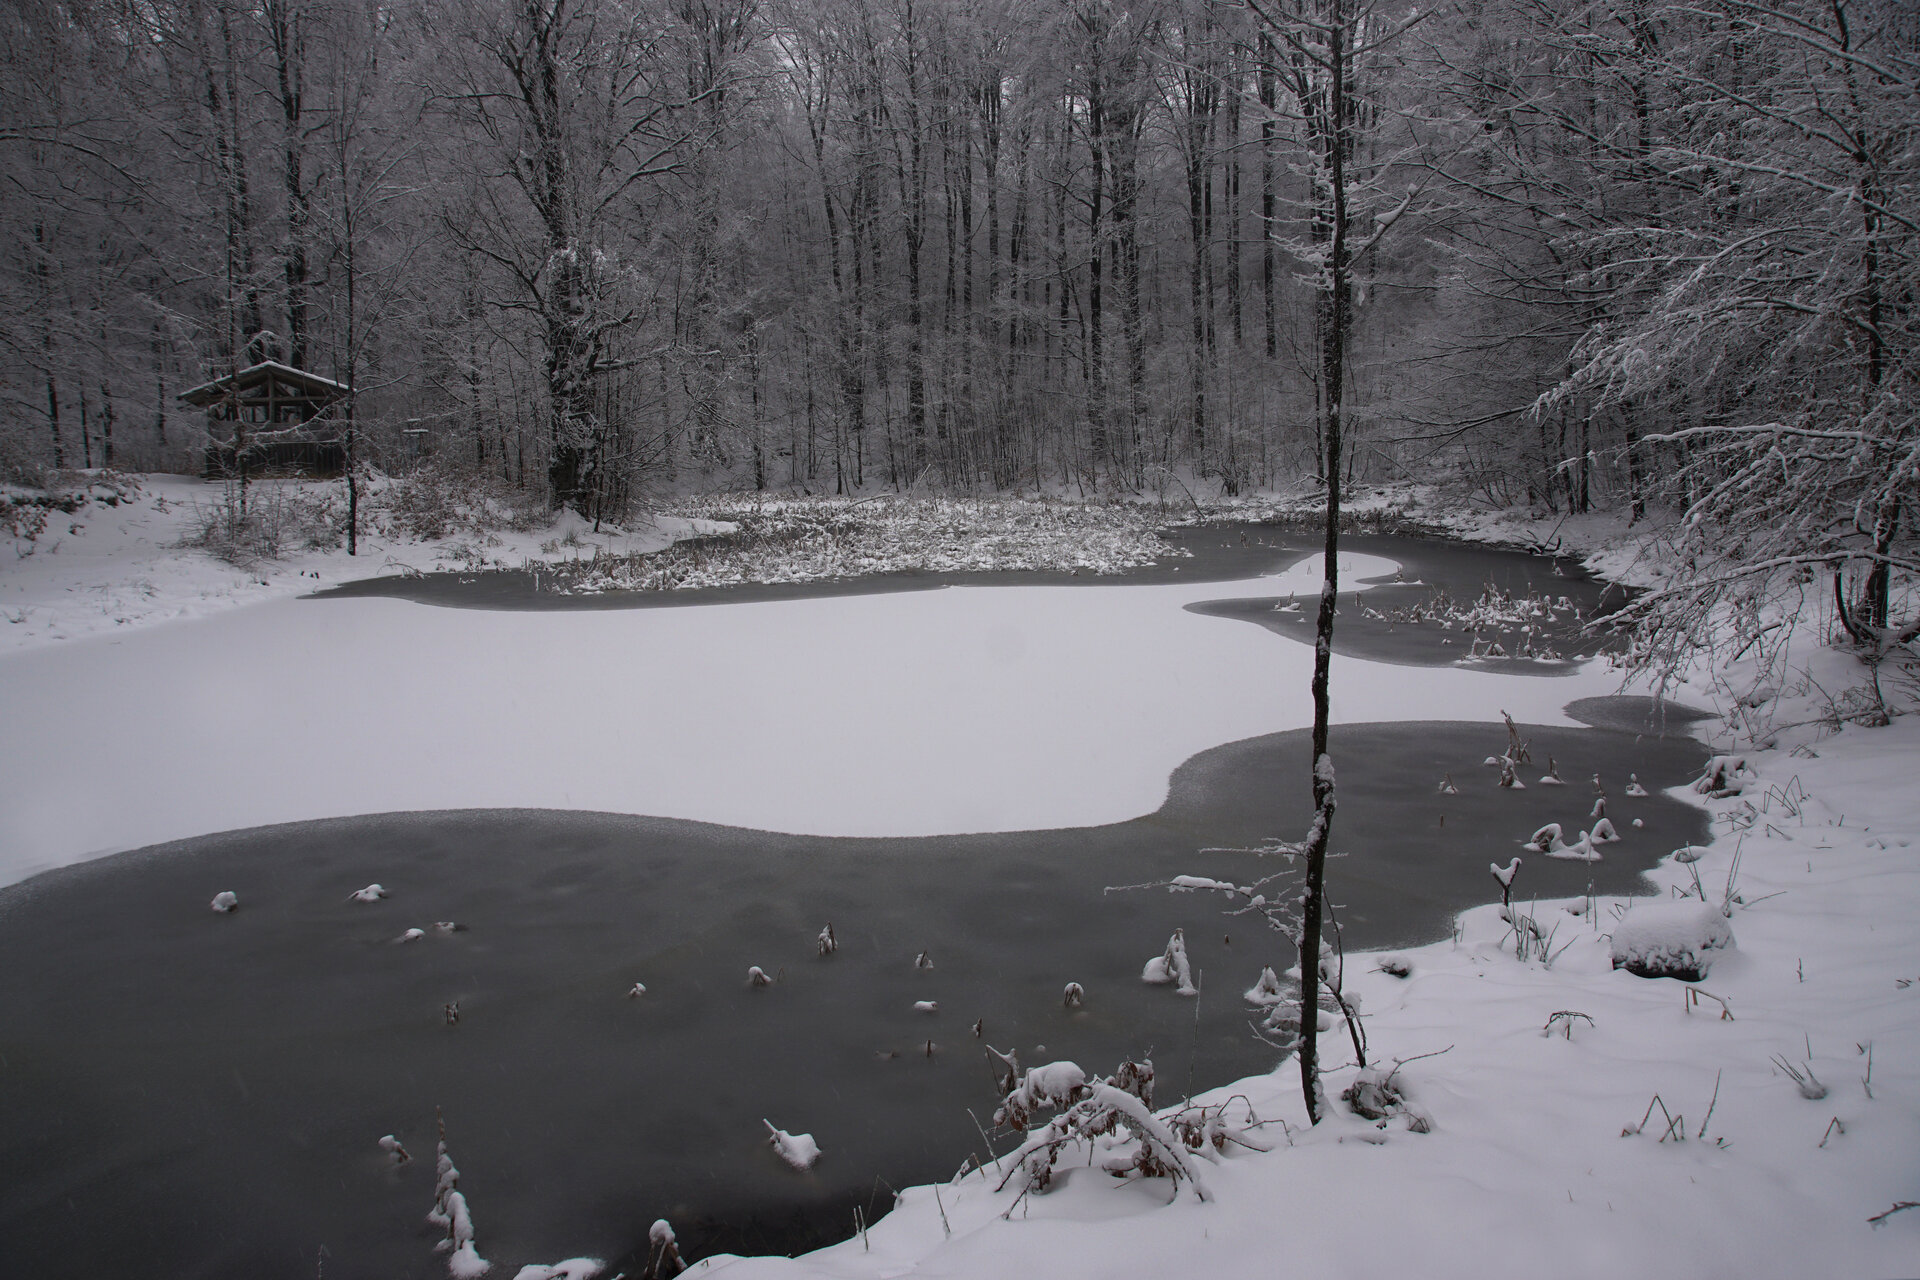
265 520
1670 939
1379 1094
1113 1121
440 500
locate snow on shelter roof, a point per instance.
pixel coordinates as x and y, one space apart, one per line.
309 385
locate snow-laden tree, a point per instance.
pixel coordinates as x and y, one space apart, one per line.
580 109
1774 308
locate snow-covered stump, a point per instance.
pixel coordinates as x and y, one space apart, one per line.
799 1150
1171 966
1670 939
1266 990
663 1250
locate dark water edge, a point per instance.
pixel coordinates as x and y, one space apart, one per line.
188 1094
1205 553
1214 553
1374 624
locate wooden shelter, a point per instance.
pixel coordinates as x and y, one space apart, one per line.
269 419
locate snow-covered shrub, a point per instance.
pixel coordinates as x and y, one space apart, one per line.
1052 1084
1113 1119
441 499
1379 1094
249 523
1670 939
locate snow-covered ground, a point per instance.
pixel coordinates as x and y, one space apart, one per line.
170 713
109 569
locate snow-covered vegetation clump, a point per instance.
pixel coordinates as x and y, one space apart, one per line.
1172 966
1670 939
796 1149
813 539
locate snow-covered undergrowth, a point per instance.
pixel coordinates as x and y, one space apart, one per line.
812 539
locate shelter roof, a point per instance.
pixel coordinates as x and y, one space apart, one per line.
291 383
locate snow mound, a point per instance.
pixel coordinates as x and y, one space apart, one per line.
1670 939
571 1269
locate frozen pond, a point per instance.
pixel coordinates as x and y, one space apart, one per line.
192 1094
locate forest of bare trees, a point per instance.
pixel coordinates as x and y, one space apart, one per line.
598 249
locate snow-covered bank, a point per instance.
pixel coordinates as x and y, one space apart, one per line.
110 568
966 709
1538 1151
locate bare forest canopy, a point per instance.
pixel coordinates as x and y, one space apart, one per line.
596 248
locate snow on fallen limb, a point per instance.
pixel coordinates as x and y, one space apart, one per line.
1670 939
1168 1149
